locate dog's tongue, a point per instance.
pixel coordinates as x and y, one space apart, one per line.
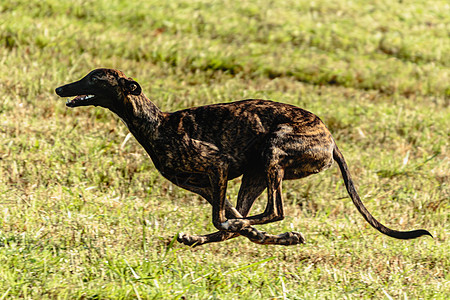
79 97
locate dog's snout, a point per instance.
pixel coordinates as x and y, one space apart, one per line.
59 90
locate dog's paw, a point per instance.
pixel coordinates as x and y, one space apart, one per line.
234 225
189 240
291 238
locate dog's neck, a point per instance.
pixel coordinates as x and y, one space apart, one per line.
142 118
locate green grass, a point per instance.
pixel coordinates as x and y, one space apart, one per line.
84 214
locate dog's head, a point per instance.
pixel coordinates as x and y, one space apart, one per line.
107 88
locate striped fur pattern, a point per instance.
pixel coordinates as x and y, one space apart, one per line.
200 149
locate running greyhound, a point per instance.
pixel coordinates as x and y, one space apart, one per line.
200 149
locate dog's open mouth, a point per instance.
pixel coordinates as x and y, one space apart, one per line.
80 100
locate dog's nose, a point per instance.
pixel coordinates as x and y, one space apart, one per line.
58 90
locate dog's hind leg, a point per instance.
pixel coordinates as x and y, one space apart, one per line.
252 186
273 212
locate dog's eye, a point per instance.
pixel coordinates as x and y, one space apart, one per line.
94 79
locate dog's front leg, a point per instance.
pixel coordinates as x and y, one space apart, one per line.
218 177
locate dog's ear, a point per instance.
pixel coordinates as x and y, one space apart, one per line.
130 86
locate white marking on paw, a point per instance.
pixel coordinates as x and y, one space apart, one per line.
225 225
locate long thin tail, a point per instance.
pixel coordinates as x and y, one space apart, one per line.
404 235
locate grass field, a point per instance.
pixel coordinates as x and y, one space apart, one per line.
85 215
